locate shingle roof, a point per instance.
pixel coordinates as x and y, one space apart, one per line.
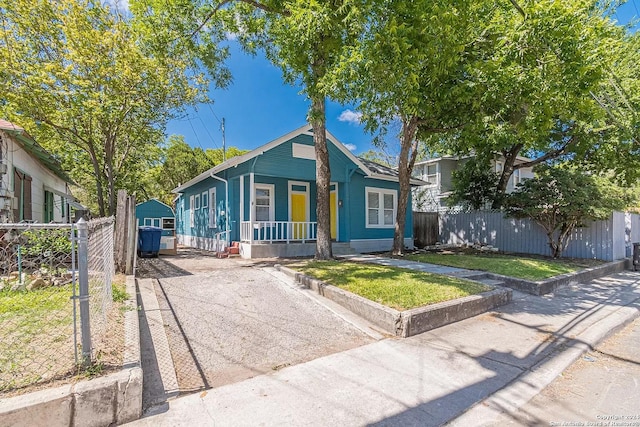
35 149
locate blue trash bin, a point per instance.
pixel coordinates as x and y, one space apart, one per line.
149 241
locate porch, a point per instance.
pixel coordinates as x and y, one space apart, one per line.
268 232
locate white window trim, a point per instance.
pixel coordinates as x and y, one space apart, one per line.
196 202
150 222
205 200
306 193
212 208
380 192
162 223
271 188
517 177
191 212
499 166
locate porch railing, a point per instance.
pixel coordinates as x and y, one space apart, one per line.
278 231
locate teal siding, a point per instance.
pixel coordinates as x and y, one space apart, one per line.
357 210
277 167
201 215
155 210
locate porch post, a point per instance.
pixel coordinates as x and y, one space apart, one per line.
252 198
241 198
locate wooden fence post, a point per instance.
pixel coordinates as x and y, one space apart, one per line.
120 239
132 235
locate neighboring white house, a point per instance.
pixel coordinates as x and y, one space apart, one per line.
33 186
438 172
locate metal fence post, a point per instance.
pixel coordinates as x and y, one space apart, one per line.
83 280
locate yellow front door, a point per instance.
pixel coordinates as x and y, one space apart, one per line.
299 215
333 213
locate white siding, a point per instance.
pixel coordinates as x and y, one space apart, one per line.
17 157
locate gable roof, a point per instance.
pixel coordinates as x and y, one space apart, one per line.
370 169
34 149
155 199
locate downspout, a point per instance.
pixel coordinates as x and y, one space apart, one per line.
226 203
347 203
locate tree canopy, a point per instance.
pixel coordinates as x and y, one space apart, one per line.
539 69
78 77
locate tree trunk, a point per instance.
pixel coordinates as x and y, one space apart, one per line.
408 154
323 178
509 162
98 173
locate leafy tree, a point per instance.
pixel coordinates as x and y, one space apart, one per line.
304 39
561 198
380 156
93 93
408 68
474 184
537 67
180 162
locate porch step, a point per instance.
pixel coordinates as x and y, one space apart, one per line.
342 249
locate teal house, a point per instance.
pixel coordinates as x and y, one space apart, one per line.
265 200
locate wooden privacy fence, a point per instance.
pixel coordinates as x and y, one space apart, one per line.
607 240
425 228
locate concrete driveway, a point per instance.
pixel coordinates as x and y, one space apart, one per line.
227 320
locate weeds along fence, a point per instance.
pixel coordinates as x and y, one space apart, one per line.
43 270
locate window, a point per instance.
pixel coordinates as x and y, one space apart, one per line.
196 205
212 208
499 167
264 202
381 207
152 222
48 206
22 192
205 199
431 173
191 212
168 223
516 177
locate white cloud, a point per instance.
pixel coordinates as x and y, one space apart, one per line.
350 117
231 36
350 147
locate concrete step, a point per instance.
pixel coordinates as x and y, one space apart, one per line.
491 282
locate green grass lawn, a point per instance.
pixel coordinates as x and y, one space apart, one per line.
506 265
36 336
397 288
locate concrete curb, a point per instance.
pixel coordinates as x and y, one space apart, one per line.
159 338
543 287
102 401
408 322
531 382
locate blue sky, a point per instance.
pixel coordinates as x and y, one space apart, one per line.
258 107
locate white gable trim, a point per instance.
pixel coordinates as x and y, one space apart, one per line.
303 130
162 203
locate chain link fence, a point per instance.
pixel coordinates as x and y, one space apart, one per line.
101 272
40 279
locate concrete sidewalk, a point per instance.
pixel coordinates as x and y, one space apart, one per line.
466 373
